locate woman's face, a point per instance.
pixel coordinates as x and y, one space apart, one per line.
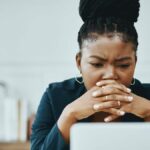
106 58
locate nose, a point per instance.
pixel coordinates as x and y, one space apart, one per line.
110 73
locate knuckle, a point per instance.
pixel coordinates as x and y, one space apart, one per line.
116 90
119 98
113 89
109 90
101 91
124 98
113 97
112 104
123 87
116 104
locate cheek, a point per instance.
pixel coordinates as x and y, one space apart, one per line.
127 76
90 75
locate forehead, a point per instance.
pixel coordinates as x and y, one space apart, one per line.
107 47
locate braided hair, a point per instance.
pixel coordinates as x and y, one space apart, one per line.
109 17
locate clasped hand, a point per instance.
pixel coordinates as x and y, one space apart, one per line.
111 97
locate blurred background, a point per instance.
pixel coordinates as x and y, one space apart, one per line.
38 43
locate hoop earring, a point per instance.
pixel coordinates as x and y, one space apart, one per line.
80 82
133 82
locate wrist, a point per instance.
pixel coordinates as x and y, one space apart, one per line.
67 118
69 114
146 113
65 121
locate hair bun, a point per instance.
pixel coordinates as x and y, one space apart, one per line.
123 9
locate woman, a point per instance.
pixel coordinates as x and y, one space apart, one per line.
107 90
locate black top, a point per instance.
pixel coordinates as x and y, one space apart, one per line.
45 133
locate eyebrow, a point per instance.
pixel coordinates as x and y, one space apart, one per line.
105 59
123 58
98 57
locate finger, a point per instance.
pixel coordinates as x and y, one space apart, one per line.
105 105
108 90
111 118
105 82
114 84
115 112
120 87
115 97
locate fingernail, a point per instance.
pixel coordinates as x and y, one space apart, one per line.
128 90
130 98
119 103
122 113
98 83
96 106
94 94
107 119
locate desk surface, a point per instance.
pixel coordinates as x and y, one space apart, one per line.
15 146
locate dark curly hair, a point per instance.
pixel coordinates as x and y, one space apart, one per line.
109 17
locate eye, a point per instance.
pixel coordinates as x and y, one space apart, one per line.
97 65
124 66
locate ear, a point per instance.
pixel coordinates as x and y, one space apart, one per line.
135 58
78 61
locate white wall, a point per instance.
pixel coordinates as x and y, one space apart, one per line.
38 44
143 28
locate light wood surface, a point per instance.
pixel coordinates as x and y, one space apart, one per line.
15 146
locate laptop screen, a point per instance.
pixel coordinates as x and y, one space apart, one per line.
110 136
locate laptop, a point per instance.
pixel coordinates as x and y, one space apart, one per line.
110 136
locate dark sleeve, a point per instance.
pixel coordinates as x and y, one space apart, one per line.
45 132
